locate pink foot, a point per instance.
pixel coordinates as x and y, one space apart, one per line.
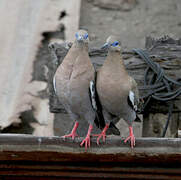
86 141
131 137
73 134
102 134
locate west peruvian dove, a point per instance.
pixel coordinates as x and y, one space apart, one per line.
71 83
117 91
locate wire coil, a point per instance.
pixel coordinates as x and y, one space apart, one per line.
157 83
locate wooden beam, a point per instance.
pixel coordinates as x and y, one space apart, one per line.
50 157
146 147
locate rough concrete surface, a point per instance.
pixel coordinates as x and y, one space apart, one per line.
147 17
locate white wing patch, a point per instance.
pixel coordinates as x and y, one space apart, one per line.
132 99
54 84
92 93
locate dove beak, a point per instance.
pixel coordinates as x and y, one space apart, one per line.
105 46
79 38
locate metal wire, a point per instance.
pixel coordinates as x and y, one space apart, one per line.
156 83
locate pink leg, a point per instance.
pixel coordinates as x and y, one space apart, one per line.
102 134
73 133
87 138
131 137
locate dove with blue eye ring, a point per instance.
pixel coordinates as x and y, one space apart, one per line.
71 83
118 92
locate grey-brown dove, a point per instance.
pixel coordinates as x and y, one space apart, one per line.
71 83
117 91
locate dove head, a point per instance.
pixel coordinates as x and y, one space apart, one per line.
113 44
82 36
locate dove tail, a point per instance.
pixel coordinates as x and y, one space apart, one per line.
137 119
96 105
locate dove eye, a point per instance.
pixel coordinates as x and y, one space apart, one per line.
115 43
86 36
76 35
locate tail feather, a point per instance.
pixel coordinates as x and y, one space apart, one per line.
113 129
137 119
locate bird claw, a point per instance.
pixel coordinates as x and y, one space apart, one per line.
72 135
132 139
103 135
86 141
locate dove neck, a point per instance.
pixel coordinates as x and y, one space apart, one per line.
116 58
81 45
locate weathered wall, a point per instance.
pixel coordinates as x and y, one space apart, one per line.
22 25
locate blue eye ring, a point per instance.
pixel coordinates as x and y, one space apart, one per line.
115 43
76 35
86 36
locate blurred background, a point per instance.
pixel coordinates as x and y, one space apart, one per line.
28 26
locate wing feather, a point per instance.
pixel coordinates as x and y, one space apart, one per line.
54 84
